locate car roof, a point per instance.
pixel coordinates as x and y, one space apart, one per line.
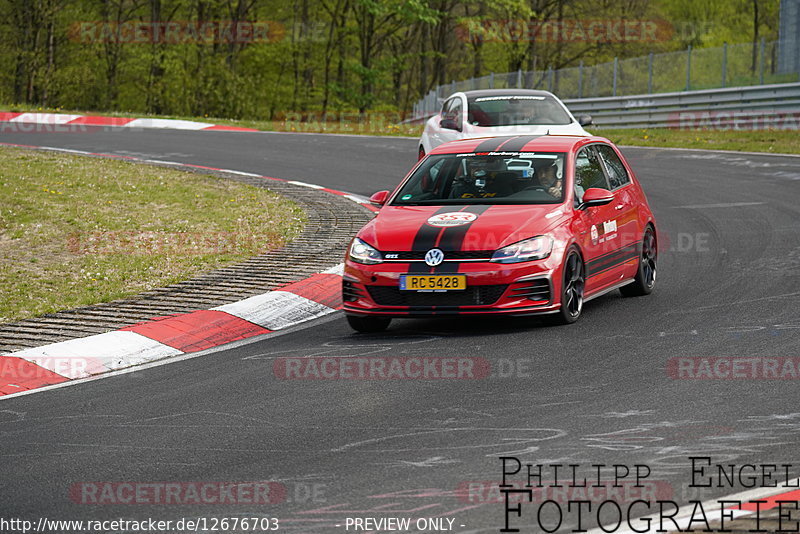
505 92
553 143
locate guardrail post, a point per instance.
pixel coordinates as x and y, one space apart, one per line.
580 80
550 79
724 63
761 68
491 80
519 78
650 74
616 69
689 67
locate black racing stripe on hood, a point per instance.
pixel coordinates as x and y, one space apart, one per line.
517 144
452 239
490 145
426 239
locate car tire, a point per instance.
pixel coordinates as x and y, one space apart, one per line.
420 153
573 284
645 279
368 325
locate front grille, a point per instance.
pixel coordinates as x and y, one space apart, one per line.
472 296
415 255
538 289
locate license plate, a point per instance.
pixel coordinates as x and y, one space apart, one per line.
433 282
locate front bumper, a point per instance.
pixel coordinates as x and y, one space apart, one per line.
506 289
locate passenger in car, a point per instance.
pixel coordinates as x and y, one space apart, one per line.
549 179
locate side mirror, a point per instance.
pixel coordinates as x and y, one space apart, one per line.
449 124
379 198
585 120
596 196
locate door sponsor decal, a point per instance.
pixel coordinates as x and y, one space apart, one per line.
604 232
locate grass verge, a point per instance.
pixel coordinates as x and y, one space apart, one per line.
76 230
776 141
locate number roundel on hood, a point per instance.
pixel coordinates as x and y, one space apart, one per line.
453 218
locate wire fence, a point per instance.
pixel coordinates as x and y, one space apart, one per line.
735 65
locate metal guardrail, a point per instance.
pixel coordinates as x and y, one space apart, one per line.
753 107
756 107
690 71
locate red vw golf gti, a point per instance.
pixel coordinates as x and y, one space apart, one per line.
521 225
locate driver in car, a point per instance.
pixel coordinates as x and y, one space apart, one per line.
480 180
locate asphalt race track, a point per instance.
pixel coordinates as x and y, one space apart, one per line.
597 392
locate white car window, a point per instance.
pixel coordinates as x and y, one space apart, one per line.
452 114
510 110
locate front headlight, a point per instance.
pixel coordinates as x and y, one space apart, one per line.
360 252
535 248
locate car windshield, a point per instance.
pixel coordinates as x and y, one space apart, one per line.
494 178
514 110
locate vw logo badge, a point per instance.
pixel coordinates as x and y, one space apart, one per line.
434 257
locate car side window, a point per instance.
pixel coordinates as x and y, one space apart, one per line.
456 112
617 175
588 172
452 113
446 107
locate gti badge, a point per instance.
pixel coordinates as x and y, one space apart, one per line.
434 257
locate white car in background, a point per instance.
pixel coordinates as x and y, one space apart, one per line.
498 112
